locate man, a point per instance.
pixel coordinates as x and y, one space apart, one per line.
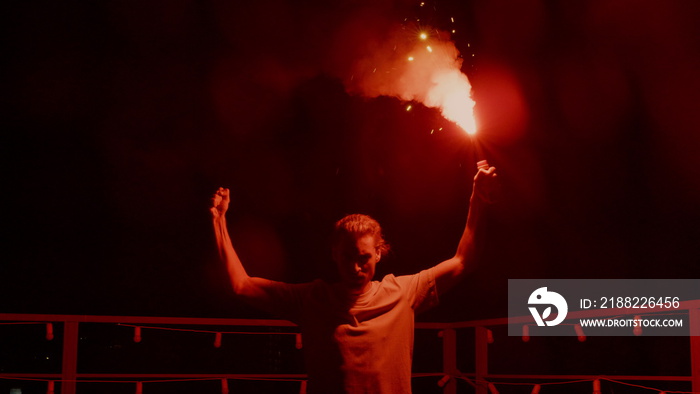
358 333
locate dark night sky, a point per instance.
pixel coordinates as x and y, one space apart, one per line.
122 118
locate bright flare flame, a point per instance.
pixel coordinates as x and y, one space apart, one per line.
423 36
451 94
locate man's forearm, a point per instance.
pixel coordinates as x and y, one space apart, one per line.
465 248
237 273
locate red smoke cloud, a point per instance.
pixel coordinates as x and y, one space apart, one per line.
414 65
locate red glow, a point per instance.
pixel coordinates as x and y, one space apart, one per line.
49 331
502 106
579 332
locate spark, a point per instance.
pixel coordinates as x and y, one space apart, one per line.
429 48
410 58
423 36
454 31
452 19
408 108
422 3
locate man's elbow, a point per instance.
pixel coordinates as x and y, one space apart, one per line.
251 291
462 266
242 287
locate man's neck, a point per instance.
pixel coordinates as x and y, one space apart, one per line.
353 293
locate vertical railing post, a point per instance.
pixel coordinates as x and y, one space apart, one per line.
695 347
482 359
449 359
69 366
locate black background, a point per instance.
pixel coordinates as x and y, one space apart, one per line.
122 118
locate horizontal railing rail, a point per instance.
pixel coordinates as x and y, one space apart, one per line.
481 379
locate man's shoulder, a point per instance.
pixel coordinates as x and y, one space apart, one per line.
409 280
406 277
398 281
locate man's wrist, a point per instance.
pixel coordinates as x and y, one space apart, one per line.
219 219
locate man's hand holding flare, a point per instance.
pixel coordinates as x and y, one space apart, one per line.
485 182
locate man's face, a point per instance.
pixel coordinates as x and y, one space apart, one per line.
356 258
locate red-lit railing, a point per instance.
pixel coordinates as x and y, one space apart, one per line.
480 379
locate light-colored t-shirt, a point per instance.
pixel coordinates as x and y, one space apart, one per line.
365 346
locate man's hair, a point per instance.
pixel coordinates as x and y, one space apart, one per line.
360 225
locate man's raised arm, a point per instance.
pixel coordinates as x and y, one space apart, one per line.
451 271
254 290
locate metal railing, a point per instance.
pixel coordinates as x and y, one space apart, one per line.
480 379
